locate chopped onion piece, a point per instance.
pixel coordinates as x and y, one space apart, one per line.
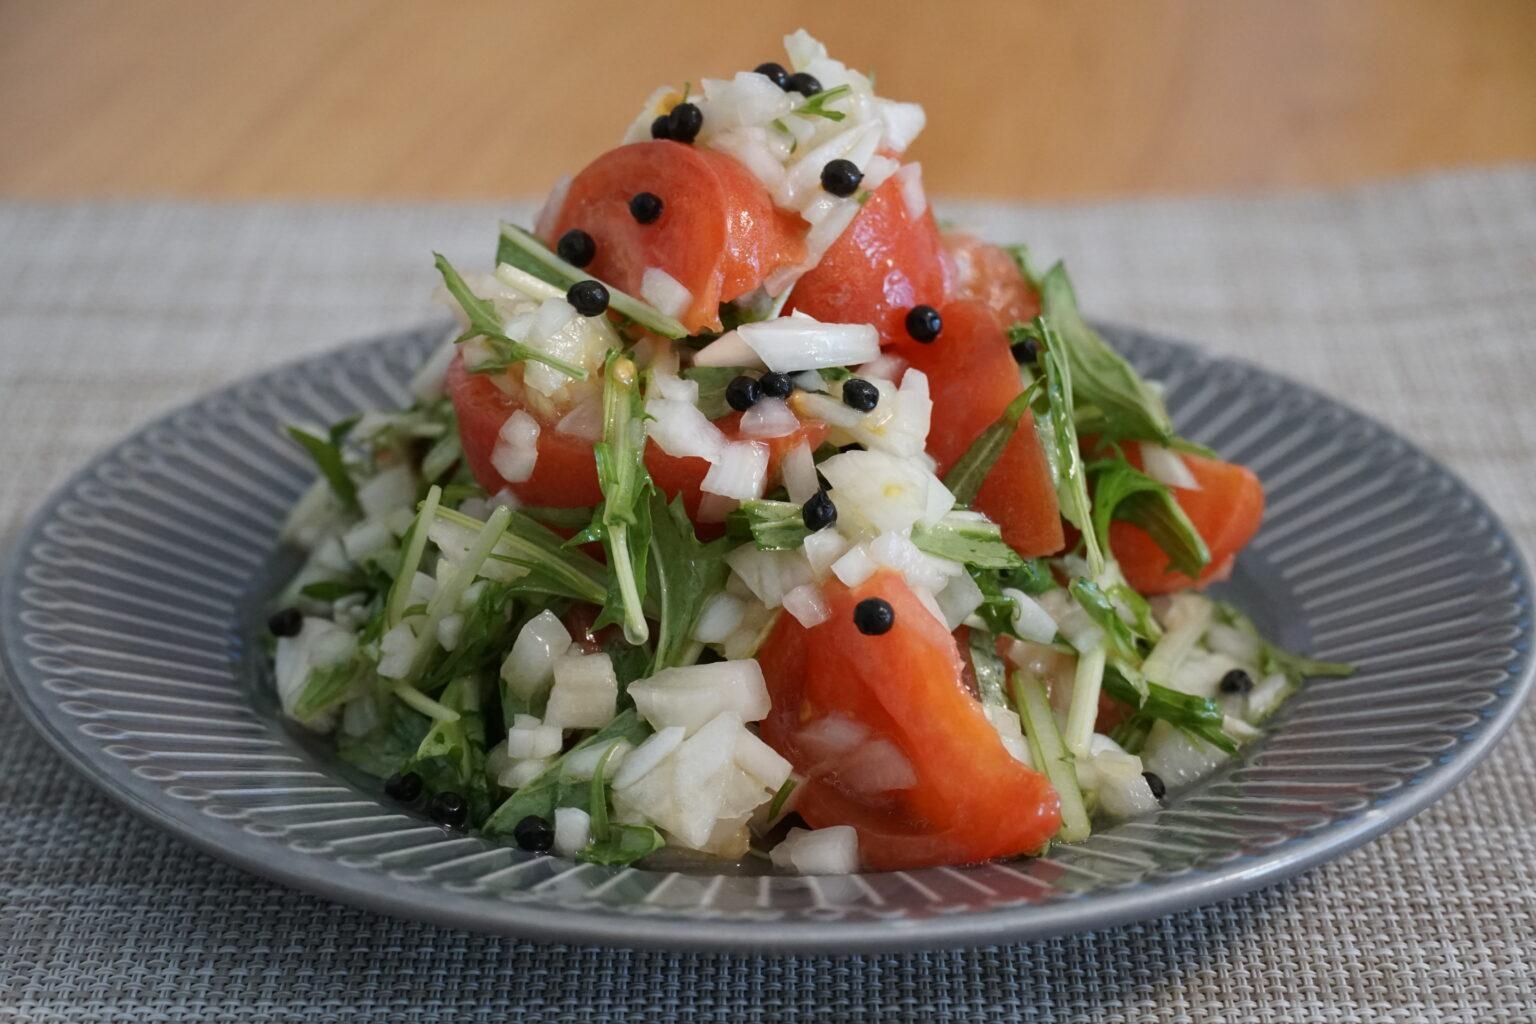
656 748
739 471
824 851
585 420
770 417
855 566
664 291
791 343
529 668
823 548
693 695
719 618
1030 620
681 430
585 692
516 449
573 830
1167 467
799 471
807 605
727 350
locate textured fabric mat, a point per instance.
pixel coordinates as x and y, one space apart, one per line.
1415 301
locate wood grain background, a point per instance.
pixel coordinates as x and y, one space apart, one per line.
373 99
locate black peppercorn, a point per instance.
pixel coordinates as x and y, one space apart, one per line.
775 385
645 207
534 834
924 323
841 177
805 84
874 616
818 512
775 73
403 786
589 297
661 128
1156 784
448 808
1236 682
576 247
1026 351
742 393
860 394
286 622
684 122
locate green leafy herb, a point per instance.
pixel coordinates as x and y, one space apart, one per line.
991 672
625 844
816 106
1051 755
774 525
452 754
329 686
1272 659
1060 438
1033 577
686 573
1117 633
326 453
444 454
967 539
415 546
560 518
445 600
520 249
553 568
623 521
965 477
712 381
781 797
1197 716
1108 392
483 639
485 323
390 745
1121 491
539 796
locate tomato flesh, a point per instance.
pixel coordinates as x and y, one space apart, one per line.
1226 510
886 262
719 234
971 800
972 377
985 272
565 472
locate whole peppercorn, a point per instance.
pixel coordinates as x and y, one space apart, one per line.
924 323
775 385
775 73
805 84
403 786
1156 784
742 393
285 622
448 808
818 512
534 834
589 297
661 128
860 394
576 247
684 122
841 177
645 207
1236 682
874 616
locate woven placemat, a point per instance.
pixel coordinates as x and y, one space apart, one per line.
1415 301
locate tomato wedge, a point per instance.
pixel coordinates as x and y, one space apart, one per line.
886 262
565 473
985 272
850 710
719 234
1226 510
972 377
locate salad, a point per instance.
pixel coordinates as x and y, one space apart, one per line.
748 512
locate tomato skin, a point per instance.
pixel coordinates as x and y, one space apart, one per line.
565 472
972 800
719 233
885 263
985 272
1227 510
972 377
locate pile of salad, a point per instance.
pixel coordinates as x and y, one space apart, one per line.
747 512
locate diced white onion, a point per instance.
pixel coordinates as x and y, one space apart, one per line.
903 123
639 762
691 696
523 772
855 566
1030 620
529 667
585 692
769 417
739 471
791 343
727 350
427 381
824 851
830 736
573 830
582 764
807 605
761 761
1167 467
517 447
671 386
664 291
883 492
397 649
681 430
799 471
959 599
823 548
585 420
874 767
365 538
769 575
394 488
449 627
910 180
719 618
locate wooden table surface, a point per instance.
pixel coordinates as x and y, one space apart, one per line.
346 98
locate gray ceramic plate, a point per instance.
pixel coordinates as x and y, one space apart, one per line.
132 608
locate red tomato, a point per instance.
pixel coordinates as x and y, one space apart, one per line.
1226 510
972 377
985 272
885 263
971 800
719 233
565 473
